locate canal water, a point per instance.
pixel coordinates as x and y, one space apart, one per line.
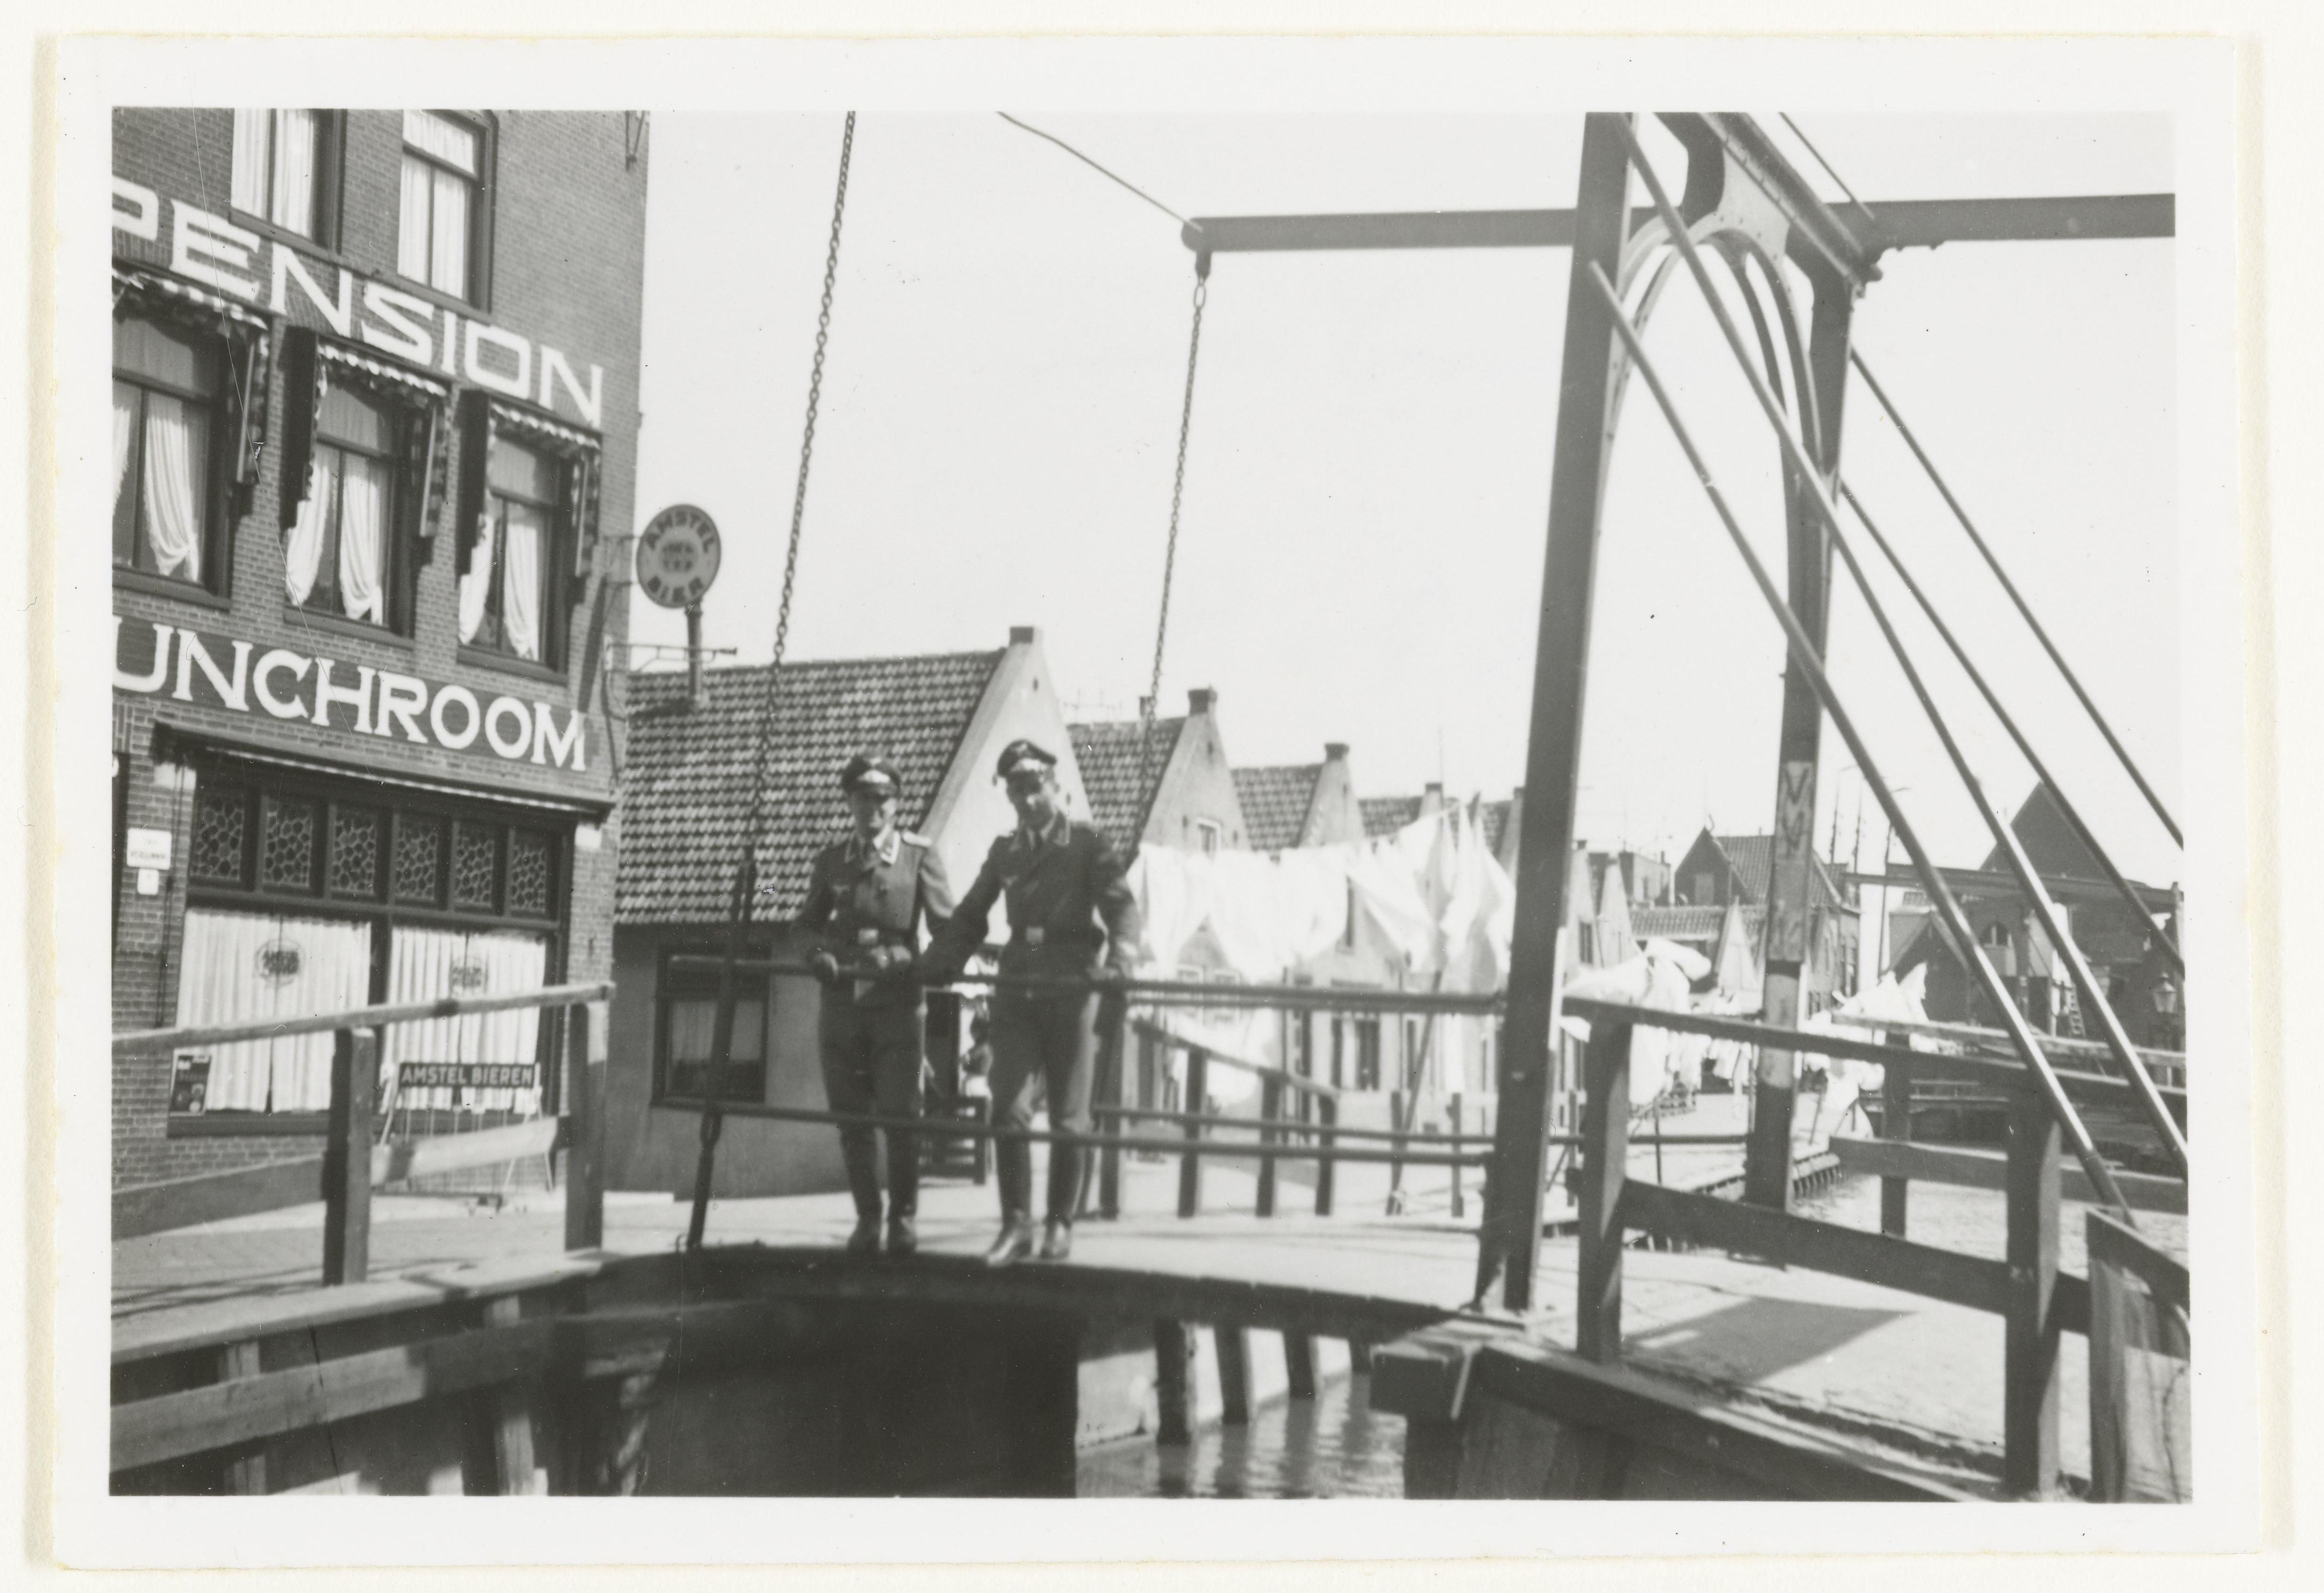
1335 1446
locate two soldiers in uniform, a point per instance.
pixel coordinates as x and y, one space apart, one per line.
1073 926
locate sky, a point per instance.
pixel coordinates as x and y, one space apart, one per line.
1366 488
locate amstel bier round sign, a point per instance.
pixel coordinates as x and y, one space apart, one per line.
677 556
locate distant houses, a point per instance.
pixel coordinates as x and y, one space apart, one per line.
2122 951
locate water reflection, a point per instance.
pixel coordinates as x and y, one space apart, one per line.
1332 1447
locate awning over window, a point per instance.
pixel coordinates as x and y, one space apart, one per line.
417 387
248 335
128 279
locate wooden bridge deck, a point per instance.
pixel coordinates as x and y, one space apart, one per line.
1910 1376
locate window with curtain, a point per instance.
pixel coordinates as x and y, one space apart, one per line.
505 597
443 172
294 884
165 387
243 967
340 557
689 1018
281 162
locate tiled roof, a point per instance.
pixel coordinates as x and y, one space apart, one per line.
1118 779
1677 924
1274 803
685 774
1385 816
1751 857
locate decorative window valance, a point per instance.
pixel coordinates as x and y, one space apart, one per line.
577 450
311 364
249 342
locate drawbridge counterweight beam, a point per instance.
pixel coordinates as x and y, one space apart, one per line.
1891 224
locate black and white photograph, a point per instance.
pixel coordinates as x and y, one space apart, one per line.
1174 772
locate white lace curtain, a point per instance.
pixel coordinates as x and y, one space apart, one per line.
302 555
514 536
426 964
274 166
238 967
175 476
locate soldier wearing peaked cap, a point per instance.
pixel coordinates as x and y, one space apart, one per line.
1070 917
867 897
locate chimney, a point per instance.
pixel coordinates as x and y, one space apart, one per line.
1335 752
697 695
1432 798
1024 635
1201 700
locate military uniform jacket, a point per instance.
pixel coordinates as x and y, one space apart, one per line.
860 897
1069 906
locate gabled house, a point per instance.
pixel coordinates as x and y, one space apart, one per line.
2141 987
1162 784
686 787
1287 806
1724 870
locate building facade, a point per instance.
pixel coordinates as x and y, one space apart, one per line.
376 388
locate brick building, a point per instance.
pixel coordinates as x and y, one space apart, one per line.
375 387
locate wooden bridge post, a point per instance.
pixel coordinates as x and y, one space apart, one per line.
1606 1153
1173 1381
1270 1106
1396 1123
500 1434
1299 1365
2029 1424
585 1119
1895 1123
1112 1091
1234 1373
1327 1114
346 1158
1190 1163
1452 1121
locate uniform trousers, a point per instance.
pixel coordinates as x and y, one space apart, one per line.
872 1064
1042 1046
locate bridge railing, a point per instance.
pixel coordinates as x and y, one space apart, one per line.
2037 1300
353 1162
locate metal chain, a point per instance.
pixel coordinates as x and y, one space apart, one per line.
1146 773
747 891
747 880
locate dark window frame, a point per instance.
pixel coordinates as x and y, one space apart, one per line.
397 576
477 290
330 186
673 983
555 556
217 555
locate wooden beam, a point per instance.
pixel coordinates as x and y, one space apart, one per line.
145 1042
1972 1168
223 1415
1657 1414
346 1158
1509 1238
1233 1344
1605 1158
1173 1381
2029 1425
585 1154
1820 1246
1888 224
